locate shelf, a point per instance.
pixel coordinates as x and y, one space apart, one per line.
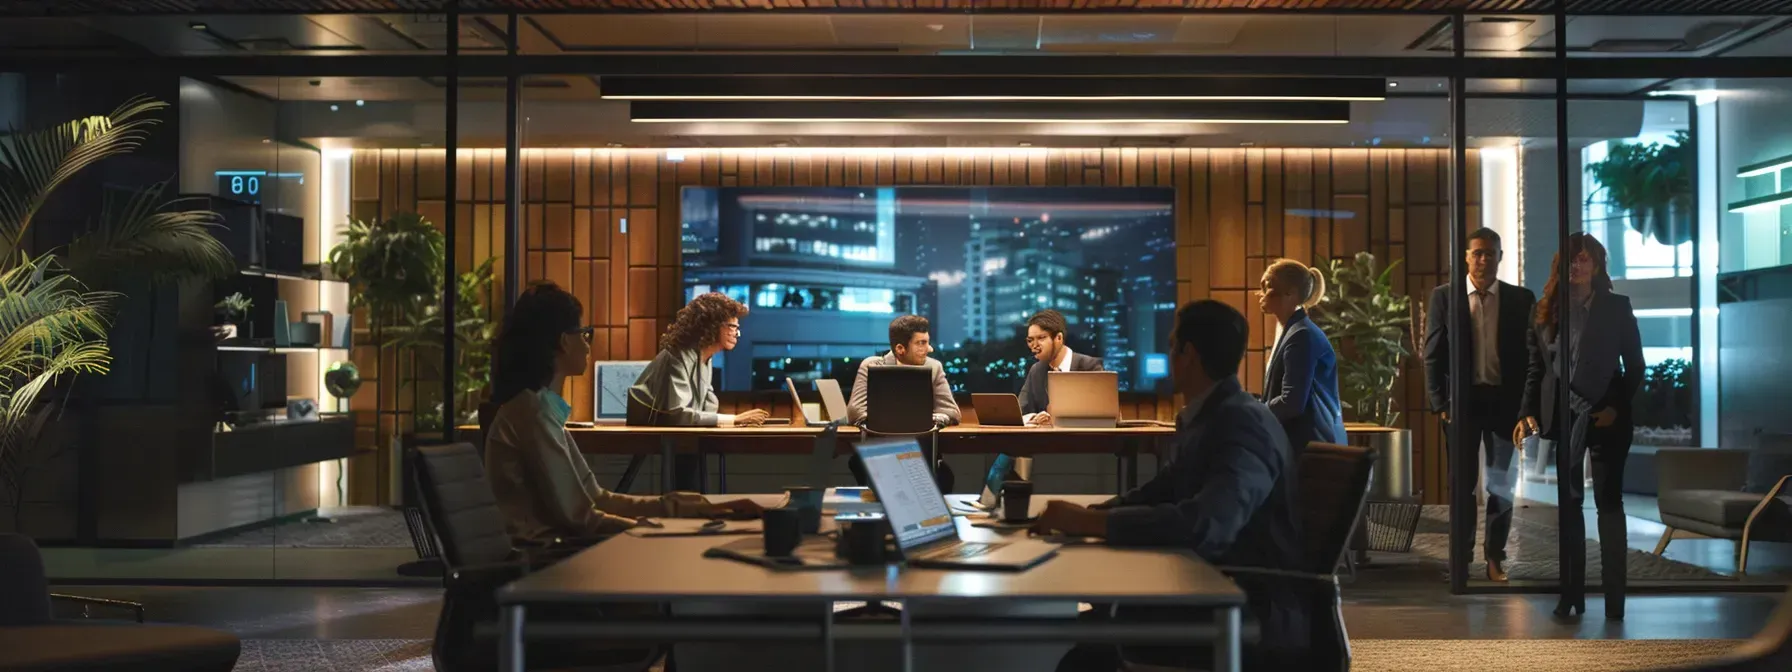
281 275
285 349
1763 203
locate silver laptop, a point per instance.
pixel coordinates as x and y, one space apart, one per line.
926 534
831 400
1083 398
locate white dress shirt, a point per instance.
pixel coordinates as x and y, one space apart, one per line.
1062 366
1484 319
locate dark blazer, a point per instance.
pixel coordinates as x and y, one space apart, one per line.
1517 308
1608 373
1229 496
1033 395
1301 386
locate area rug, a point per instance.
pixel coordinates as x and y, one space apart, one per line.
1532 655
346 655
1370 655
361 528
1531 551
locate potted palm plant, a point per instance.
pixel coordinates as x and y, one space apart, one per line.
54 314
1652 183
1369 325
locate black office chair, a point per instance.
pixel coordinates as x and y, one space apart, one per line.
1332 483
899 404
32 638
480 557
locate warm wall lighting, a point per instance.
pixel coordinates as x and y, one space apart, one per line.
995 88
961 112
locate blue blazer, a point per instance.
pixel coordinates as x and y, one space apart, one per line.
1301 386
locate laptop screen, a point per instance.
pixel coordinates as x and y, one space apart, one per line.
911 499
612 382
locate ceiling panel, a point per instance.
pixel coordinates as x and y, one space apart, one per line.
41 7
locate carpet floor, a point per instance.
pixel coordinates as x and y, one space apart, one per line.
1532 550
366 527
1372 655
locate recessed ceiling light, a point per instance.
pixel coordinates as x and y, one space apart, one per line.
614 145
333 107
197 25
936 27
360 103
1026 144
1393 85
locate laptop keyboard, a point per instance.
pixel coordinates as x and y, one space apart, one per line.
964 551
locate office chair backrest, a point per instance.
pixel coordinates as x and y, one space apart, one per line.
458 502
1332 484
24 592
899 400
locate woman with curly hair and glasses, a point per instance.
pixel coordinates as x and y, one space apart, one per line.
675 388
543 485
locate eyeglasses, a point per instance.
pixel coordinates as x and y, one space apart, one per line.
732 327
585 332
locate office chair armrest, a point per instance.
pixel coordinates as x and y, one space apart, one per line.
1305 577
86 602
481 576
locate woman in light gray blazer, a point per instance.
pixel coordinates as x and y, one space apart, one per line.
1603 370
674 389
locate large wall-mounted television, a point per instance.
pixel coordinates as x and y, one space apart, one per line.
824 270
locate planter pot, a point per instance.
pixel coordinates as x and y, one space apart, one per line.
1669 224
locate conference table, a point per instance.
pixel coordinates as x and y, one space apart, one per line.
673 571
1126 443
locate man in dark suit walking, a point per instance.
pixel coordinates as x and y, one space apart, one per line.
1045 337
1494 356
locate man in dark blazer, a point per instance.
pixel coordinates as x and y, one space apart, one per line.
1045 337
1228 496
1493 361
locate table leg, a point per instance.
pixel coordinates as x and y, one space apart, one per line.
1227 641
827 636
1129 462
668 466
721 472
627 482
908 638
510 648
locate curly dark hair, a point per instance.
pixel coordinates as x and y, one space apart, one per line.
524 352
699 323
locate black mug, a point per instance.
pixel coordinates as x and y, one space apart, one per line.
862 540
782 531
1017 500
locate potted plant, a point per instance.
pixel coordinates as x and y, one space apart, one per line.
234 311
1369 325
57 315
1652 183
393 268
473 333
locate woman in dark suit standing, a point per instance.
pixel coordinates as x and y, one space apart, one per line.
1603 367
1301 385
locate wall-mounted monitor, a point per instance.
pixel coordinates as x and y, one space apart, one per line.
824 270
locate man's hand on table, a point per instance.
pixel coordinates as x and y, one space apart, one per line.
1074 520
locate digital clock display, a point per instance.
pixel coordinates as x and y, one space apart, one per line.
248 185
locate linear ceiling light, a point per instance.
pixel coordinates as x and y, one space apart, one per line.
1767 167
968 112
994 88
1768 202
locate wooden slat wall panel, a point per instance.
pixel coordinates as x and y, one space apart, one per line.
1237 211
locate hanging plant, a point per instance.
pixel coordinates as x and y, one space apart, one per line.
1652 183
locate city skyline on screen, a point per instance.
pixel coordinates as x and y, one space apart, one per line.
825 270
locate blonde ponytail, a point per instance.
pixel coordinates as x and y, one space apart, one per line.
1317 289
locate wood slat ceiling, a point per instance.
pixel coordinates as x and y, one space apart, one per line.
91 7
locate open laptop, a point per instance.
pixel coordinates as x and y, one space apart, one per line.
997 409
1002 469
832 400
1083 398
926 534
610 382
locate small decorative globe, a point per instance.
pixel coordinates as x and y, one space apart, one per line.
342 379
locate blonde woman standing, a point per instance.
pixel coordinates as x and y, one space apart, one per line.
1301 385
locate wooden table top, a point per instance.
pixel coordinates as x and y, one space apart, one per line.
659 569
